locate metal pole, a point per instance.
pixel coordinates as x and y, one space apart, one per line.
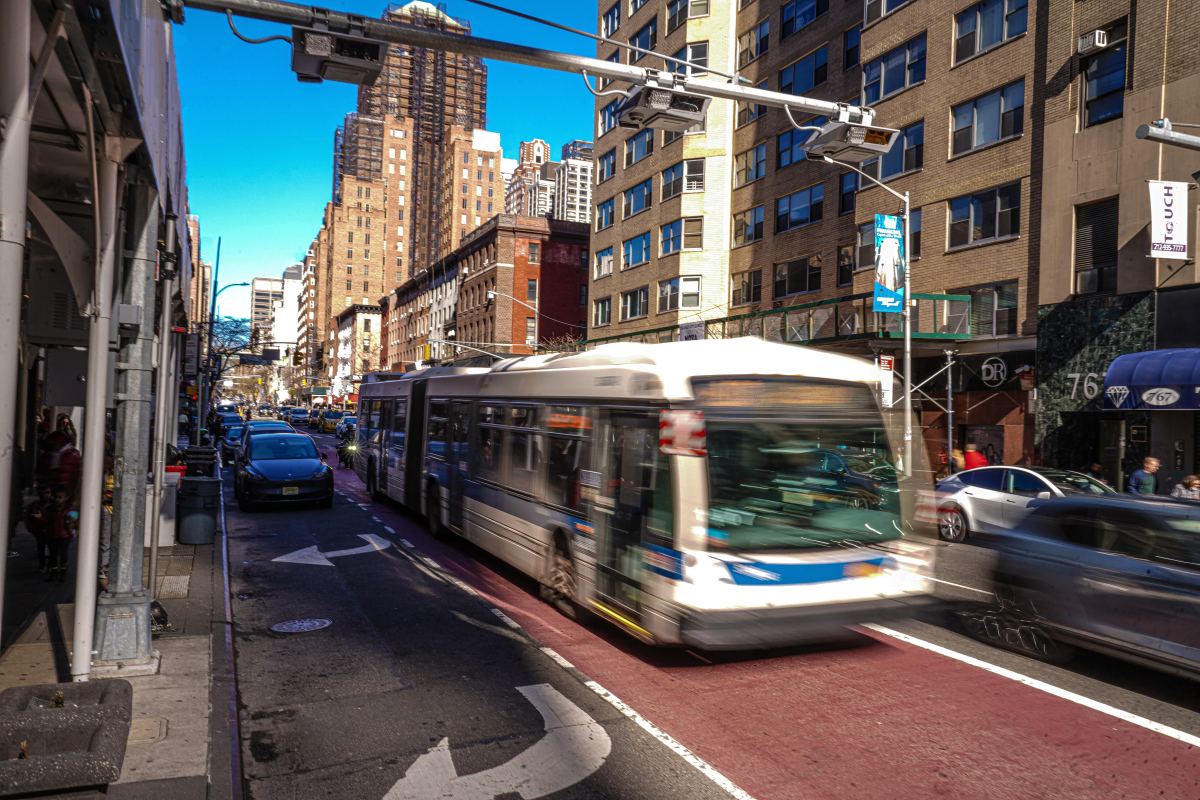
413 36
908 430
163 422
122 637
204 372
92 481
14 176
950 410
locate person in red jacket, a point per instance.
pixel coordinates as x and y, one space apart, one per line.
63 520
973 458
59 463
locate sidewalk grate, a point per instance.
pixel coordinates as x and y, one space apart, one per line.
173 587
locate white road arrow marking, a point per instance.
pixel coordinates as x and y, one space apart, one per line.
574 747
311 555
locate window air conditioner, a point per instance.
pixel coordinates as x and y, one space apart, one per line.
1092 42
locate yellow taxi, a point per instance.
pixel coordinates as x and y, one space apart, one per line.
330 420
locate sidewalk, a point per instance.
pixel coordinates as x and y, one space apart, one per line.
180 738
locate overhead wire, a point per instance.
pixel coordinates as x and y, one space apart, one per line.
247 39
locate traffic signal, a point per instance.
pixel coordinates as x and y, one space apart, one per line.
295 358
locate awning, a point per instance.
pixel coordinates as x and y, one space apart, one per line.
1156 379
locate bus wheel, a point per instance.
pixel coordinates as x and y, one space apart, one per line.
562 581
372 489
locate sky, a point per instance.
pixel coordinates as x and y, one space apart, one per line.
259 143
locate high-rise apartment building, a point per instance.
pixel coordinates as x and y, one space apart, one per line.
199 298
472 185
535 152
660 247
573 183
264 294
530 190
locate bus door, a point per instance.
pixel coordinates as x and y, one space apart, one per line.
383 438
459 457
415 446
635 502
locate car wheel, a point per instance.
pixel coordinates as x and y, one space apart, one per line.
952 525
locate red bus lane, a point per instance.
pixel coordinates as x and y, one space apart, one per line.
880 719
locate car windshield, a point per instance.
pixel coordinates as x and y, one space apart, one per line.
300 413
333 415
1074 482
769 488
233 434
279 448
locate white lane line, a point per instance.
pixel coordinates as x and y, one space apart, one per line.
390 529
1042 686
961 586
706 769
406 543
558 659
506 619
377 519
432 563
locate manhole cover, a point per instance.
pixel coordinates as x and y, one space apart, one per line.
301 625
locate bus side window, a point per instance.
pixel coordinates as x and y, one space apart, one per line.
489 443
399 420
439 429
526 452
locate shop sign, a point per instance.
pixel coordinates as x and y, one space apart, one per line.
887 370
1168 219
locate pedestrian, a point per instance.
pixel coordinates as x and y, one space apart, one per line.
1142 481
37 522
1096 471
67 428
106 520
973 458
63 521
59 463
957 461
1187 489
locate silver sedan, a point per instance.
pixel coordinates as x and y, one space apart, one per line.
989 500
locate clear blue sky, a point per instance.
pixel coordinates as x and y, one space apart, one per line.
259 143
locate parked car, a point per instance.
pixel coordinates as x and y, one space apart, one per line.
282 468
256 426
990 500
297 416
1107 573
346 426
330 420
229 443
225 421
282 412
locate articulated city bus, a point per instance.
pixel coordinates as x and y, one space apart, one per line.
715 494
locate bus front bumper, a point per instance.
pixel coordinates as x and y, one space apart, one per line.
778 627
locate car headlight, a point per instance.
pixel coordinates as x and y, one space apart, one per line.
252 475
322 472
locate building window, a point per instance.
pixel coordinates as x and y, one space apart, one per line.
696 56
693 175
637 198
612 20
604 262
1096 246
881 8
752 44
985 25
535 252
851 47
789 145
807 73
349 252
847 192
993 309
679 11
608 117
682 234
747 287
894 71
349 285
675 293
672 181
748 112
366 286
845 265
906 154
799 208
985 216
865 257
984 120
914 233
638 146
604 214
750 165
602 311
635 251
635 303
634 5
801 275
748 225
606 165
644 40
799 14
530 331
1104 79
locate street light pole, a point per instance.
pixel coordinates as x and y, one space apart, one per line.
907 311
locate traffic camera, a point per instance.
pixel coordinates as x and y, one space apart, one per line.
851 142
664 107
319 55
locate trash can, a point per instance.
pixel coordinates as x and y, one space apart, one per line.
199 505
201 461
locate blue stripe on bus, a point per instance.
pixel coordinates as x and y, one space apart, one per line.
664 561
759 573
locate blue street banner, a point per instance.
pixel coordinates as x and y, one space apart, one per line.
889 264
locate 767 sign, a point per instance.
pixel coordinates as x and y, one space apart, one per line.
1089 383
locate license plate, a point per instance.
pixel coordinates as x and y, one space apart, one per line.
288 491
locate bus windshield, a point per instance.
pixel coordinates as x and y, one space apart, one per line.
780 484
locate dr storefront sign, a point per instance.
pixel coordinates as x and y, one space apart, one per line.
1168 219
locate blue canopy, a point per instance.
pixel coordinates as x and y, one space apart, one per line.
1156 379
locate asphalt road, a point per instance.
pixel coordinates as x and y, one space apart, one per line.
417 657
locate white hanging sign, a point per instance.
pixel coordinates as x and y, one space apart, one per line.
1168 219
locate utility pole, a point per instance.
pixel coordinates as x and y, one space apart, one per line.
205 371
122 637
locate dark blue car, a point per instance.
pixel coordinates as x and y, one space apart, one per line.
282 468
